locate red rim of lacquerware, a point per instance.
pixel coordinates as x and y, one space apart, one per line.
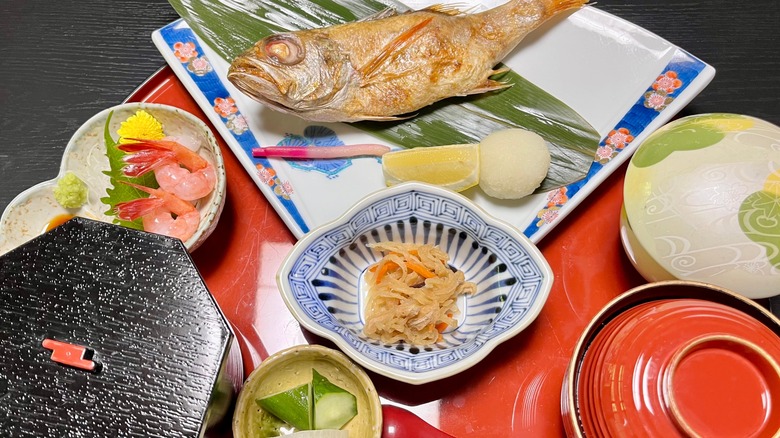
757 373
738 336
646 352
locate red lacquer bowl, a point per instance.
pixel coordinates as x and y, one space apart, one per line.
676 359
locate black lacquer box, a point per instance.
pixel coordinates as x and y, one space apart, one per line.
110 332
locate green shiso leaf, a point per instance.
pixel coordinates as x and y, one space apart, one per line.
231 27
119 192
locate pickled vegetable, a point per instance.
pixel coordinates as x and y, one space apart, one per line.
333 406
319 405
292 406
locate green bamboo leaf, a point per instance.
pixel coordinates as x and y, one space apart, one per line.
119 192
230 28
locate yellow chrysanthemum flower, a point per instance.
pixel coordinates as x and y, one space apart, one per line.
140 125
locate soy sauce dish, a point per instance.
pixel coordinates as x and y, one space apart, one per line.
37 209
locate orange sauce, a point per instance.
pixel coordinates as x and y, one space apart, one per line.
58 220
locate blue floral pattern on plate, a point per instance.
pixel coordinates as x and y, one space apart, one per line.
665 92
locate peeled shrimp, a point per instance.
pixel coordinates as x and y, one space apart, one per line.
178 169
161 213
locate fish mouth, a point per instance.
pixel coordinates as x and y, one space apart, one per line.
253 80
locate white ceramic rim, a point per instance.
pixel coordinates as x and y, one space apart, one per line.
440 373
316 350
217 205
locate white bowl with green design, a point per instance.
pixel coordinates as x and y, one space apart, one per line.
36 209
702 202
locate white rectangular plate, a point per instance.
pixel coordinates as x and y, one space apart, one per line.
625 81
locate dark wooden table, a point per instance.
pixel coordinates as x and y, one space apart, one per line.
61 62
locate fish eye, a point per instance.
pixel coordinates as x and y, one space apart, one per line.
284 49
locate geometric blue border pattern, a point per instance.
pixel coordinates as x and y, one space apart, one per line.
323 277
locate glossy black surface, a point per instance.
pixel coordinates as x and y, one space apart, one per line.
137 301
63 61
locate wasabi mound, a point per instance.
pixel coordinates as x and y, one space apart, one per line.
70 191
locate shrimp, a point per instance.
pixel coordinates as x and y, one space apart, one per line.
161 213
178 169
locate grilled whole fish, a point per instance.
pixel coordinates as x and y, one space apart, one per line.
387 65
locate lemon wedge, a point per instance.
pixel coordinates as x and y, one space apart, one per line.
454 167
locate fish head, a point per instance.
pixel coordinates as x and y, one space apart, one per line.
296 72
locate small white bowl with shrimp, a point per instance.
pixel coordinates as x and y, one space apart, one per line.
184 200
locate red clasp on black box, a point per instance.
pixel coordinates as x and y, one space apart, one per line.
69 354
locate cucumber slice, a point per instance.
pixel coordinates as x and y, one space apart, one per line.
292 406
333 406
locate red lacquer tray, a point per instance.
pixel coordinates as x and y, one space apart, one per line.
515 391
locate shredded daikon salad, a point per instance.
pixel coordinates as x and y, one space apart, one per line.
413 293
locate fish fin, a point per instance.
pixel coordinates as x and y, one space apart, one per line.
444 9
499 71
384 13
393 47
488 85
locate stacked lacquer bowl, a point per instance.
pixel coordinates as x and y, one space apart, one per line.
676 359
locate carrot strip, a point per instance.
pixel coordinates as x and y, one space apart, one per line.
383 270
440 327
420 269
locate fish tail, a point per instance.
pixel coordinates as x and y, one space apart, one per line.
153 153
513 20
144 156
555 6
140 144
158 198
142 162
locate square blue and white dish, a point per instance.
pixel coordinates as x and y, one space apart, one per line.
321 280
